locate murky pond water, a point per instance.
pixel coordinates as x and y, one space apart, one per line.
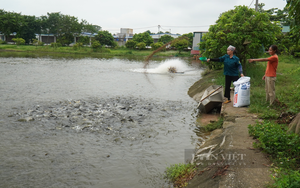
93 122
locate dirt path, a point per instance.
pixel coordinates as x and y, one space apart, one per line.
233 161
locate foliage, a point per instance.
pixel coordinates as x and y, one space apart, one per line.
235 27
141 45
165 39
35 42
190 37
284 149
89 28
55 45
96 45
115 45
143 37
84 40
180 44
64 27
2 42
65 39
77 46
180 174
148 31
28 26
157 45
286 178
105 38
9 22
130 44
293 7
274 140
276 15
213 126
18 41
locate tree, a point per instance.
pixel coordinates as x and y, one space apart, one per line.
105 38
148 31
293 7
9 22
89 28
276 14
64 27
180 44
84 40
190 37
130 44
28 27
143 37
249 31
165 39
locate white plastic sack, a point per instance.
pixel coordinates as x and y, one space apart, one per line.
242 92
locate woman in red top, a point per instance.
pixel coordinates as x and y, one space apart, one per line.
270 74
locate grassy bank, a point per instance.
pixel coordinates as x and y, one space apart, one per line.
85 51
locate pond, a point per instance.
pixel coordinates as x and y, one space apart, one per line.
94 122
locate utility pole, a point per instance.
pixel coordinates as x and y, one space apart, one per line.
256 6
158 31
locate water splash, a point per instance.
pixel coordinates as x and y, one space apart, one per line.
164 67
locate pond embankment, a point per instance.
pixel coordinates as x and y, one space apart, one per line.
227 158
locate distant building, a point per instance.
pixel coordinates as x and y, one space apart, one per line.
9 38
197 38
124 35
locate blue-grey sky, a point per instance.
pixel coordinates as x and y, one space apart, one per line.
177 16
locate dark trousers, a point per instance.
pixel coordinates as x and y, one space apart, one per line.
228 80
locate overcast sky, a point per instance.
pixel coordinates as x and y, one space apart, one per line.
175 16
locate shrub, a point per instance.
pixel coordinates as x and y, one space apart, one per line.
84 40
77 46
2 42
287 178
18 41
141 45
157 45
36 42
130 44
55 45
96 45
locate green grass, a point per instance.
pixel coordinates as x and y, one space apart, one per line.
273 138
213 126
120 51
180 174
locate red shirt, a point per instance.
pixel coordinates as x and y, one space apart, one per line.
272 66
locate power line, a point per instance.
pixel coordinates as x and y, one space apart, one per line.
250 4
145 27
188 26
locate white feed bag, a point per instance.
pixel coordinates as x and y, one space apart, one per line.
242 92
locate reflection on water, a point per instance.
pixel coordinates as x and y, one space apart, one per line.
93 122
